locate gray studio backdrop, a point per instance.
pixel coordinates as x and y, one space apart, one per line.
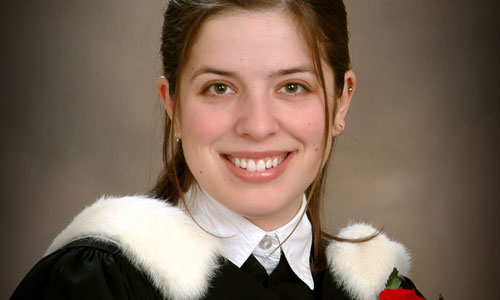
80 118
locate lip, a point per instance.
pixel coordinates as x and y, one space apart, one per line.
256 154
263 176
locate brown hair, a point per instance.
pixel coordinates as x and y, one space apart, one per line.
324 25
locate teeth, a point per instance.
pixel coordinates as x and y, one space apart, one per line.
261 165
269 164
251 166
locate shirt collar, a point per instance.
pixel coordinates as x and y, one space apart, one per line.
240 237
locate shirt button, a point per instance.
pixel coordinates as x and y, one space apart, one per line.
266 242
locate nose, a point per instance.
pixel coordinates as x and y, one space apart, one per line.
257 118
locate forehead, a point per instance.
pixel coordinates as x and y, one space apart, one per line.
250 41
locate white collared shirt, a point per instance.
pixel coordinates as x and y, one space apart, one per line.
241 238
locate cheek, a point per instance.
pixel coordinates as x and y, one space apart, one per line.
307 123
202 124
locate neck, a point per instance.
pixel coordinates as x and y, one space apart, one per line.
277 220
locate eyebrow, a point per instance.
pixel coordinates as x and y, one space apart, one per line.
277 73
301 69
210 70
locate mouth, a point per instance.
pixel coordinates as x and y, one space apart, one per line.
257 167
257 164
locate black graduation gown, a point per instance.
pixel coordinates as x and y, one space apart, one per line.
93 269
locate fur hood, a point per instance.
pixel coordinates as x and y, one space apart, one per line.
160 240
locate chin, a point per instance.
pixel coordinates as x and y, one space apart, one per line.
261 205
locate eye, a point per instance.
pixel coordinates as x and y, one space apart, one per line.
292 88
220 89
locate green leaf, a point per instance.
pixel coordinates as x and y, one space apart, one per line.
441 297
393 281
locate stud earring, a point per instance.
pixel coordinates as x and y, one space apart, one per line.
350 89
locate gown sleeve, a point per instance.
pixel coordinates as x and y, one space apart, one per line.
86 269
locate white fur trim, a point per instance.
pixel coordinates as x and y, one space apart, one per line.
159 239
362 269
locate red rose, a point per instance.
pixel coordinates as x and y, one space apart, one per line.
399 294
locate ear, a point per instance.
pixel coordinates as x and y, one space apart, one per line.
343 103
168 102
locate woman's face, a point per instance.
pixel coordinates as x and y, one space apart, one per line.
252 114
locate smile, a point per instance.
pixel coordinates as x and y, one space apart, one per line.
257 165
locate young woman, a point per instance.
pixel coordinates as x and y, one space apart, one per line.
255 92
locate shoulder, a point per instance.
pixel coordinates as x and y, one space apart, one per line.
363 268
86 269
158 239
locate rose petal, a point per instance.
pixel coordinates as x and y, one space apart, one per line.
399 294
